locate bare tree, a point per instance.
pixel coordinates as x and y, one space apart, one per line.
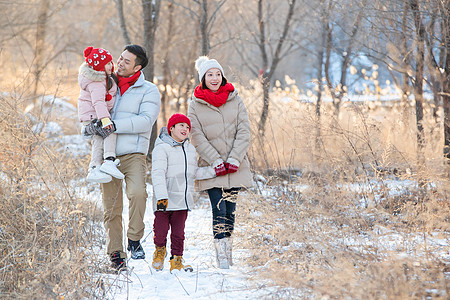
123 25
204 18
41 31
150 9
323 29
338 91
166 60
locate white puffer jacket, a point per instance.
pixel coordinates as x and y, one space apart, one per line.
174 169
134 114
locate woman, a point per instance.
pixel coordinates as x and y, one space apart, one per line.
221 135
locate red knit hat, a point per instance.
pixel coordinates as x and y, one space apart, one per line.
178 118
97 58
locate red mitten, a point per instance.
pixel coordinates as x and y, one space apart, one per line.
220 170
231 168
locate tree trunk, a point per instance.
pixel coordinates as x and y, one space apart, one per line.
166 62
151 15
39 49
405 63
418 95
204 27
267 73
265 81
446 84
123 26
320 56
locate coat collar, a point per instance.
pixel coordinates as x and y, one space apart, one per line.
91 74
165 137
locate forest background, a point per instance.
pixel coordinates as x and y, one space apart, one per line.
340 94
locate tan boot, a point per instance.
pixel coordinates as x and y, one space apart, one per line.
158 258
176 263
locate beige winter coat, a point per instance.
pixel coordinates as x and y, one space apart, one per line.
221 134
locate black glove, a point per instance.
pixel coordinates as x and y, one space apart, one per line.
96 127
104 132
91 128
162 204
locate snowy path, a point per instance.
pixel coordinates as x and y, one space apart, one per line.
206 282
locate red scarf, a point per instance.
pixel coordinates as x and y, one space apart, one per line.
218 98
126 82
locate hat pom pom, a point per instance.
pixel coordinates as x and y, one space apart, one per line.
200 61
88 51
108 97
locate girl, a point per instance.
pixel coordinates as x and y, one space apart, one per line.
221 136
98 86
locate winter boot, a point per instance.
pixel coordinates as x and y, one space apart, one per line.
229 250
96 176
176 263
117 262
110 167
221 256
137 252
158 258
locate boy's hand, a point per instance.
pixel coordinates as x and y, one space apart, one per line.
161 204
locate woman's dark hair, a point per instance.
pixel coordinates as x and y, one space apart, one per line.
109 80
224 81
141 54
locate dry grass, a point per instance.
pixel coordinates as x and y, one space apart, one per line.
327 223
344 220
47 234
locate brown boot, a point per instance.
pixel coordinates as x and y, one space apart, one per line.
158 258
176 263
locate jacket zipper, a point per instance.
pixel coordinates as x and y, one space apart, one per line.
185 176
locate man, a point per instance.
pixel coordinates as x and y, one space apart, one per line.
135 111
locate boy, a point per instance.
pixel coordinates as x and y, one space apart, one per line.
174 169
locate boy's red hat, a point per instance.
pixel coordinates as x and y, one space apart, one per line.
178 118
97 58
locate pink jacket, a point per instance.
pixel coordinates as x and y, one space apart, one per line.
91 102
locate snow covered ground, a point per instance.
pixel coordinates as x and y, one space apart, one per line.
205 282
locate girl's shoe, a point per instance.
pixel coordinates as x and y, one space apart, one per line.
96 176
110 167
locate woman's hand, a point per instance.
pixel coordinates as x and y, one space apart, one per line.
231 168
220 170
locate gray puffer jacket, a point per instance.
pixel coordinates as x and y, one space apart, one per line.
174 169
134 114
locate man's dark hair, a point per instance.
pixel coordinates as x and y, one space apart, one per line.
224 81
141 54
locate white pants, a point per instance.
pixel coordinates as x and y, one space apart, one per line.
101 148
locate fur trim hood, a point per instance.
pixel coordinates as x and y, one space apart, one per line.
86 71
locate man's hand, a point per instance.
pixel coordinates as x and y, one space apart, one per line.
161 205
107 124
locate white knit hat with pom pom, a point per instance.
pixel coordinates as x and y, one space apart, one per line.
203 64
